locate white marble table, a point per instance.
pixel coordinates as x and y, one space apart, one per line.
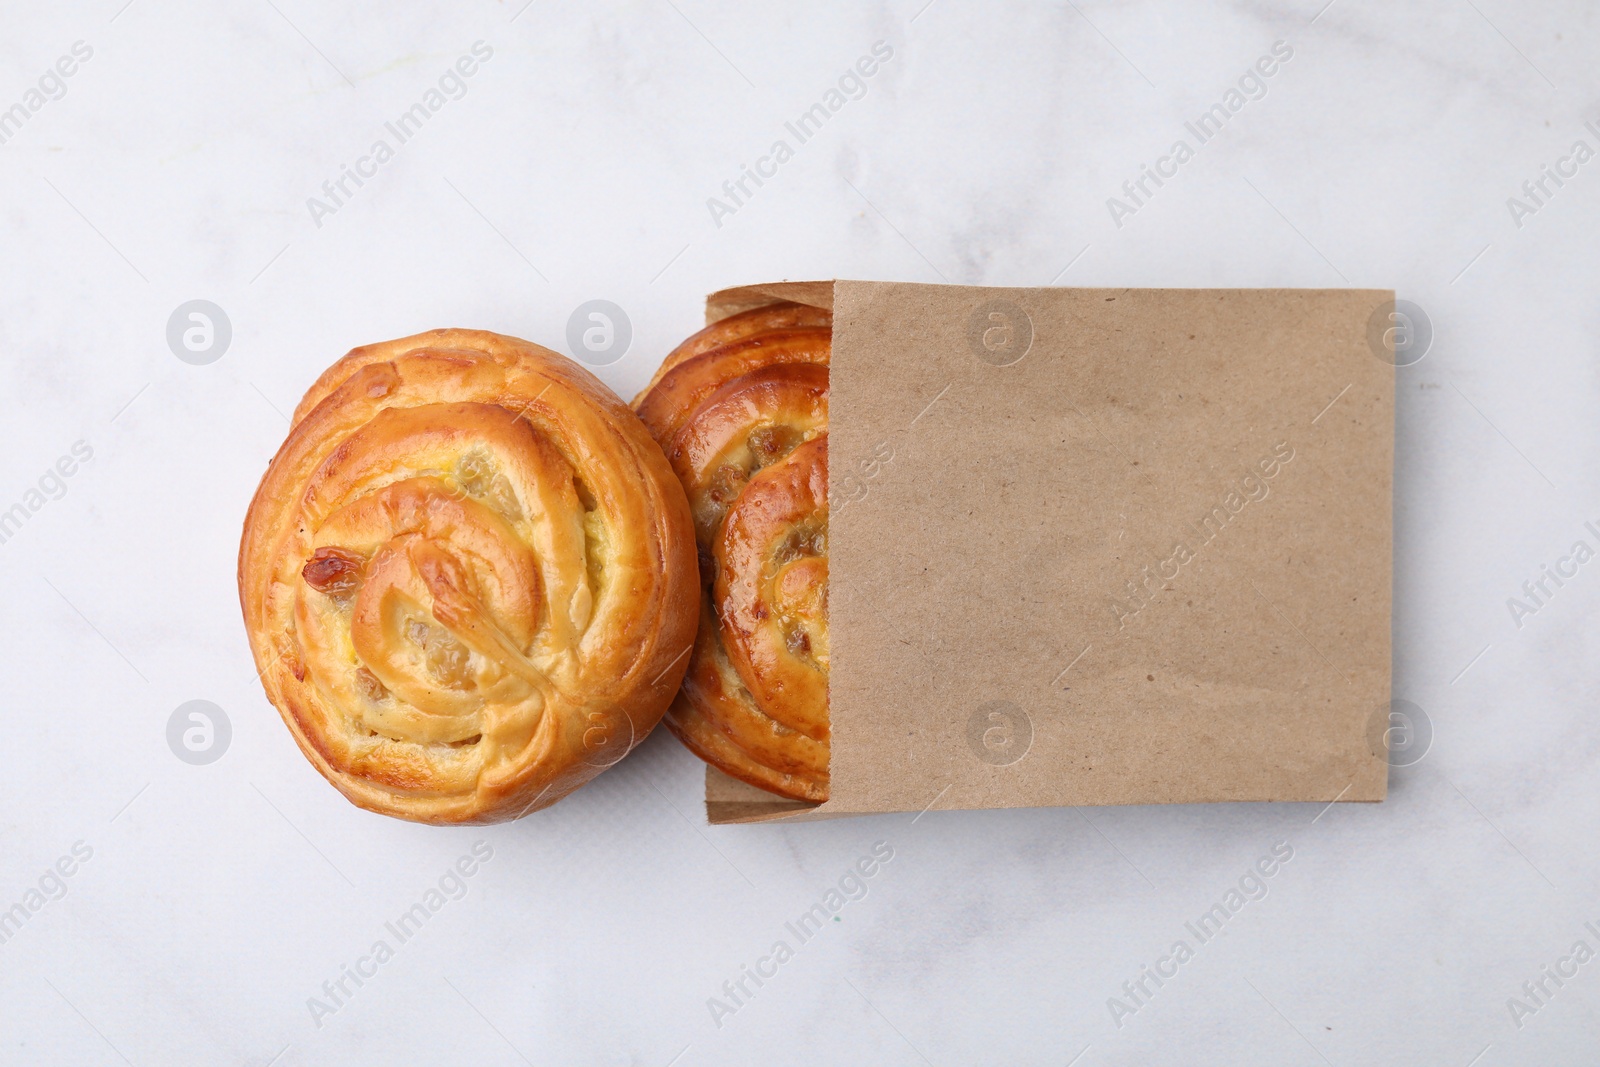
210 908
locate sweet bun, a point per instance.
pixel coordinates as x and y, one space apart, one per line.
741 410
468 577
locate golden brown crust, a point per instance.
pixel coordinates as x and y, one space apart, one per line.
723 332
673 399
467 577
742 412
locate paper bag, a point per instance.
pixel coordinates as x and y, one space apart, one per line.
1100 546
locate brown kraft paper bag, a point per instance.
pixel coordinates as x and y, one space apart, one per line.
1100 546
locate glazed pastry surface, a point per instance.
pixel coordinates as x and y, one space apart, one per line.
468 577
741 409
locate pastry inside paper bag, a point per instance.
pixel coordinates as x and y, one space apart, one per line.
741 410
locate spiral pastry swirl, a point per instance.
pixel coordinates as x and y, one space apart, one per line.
467 577
741 410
